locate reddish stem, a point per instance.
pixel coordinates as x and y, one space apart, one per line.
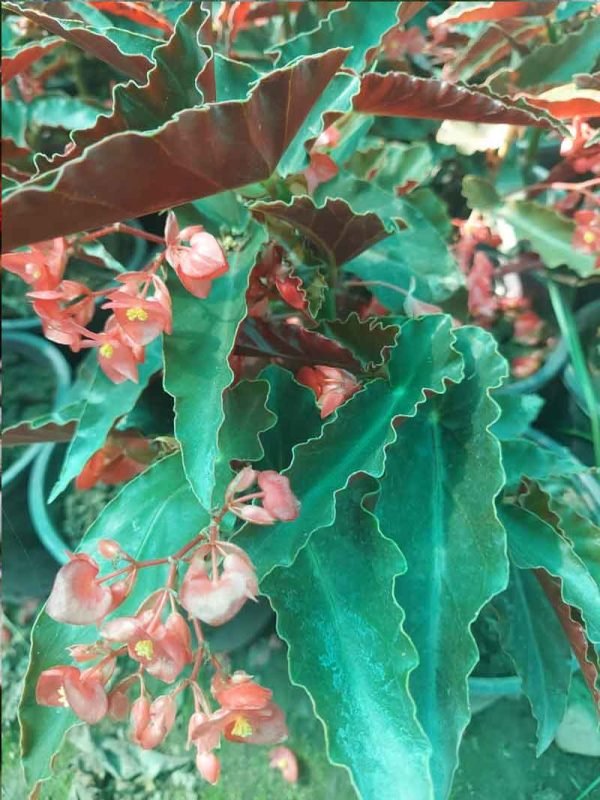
120 227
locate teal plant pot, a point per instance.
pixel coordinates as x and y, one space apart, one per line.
42 353
28 570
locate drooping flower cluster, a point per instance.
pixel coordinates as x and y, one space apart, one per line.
140 305
164 637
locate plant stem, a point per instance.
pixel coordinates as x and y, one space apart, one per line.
568 328
120 227
586 792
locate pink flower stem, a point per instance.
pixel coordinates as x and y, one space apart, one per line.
199 650
247 497
120 227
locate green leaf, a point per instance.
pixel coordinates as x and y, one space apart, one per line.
423 359
61 111
567 503
437 503
416 253
337 98
298 418
433 208
557 63
404 164
153 515
347 648
367 339
534 638
534 544
479 193
358 26
245 416
196 367
103 403
550 234
518 412
173 164
526 458
125 50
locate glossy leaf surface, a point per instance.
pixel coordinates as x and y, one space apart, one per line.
437 503
348 649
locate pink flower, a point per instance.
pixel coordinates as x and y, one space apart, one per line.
162 649
483 303
208 766
587 232
278 500
118 355
284 759
142 318
527 328
152 721
68 687
264 725
247 715
77 597
198 263
239 691
524 366
63 311
331 385
322 168
217 599
330 137
41 265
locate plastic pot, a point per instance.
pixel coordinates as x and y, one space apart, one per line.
135 261
28 570
241 631
549 370
39 352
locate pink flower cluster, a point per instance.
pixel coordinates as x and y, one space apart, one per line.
140 305
164 637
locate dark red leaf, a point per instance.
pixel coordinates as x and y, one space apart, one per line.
201 152
334 227
25 434
397 94
566 102
141 13
292 344
17 61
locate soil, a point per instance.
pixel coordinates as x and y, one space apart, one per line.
77 510
28 392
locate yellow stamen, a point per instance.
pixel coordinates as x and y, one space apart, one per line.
107 350
144 649
589 237
136 314
242 727
62 697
